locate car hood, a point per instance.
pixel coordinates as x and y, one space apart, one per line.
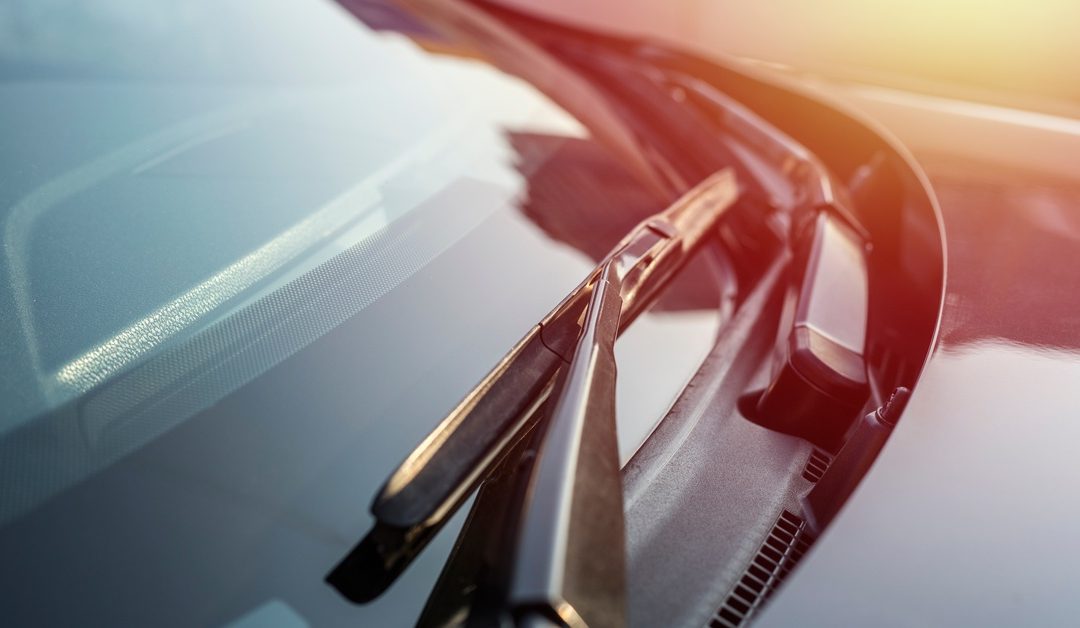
967 516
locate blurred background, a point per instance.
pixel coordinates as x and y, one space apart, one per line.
1018 53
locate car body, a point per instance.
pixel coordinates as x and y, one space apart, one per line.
214 422
960 514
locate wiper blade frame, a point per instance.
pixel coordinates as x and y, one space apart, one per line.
436 478
448 462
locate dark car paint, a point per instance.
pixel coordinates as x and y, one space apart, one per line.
968 516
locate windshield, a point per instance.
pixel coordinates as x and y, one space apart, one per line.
162 170
253 250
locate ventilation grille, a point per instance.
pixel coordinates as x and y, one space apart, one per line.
778 555
816 465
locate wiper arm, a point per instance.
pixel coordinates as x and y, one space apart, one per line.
544 544
437 477
569 565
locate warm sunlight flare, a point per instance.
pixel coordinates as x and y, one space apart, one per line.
1029 49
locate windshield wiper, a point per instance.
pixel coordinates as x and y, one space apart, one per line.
544 544
436 478
495 421
569 563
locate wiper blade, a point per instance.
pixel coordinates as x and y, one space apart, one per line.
437 477
447 462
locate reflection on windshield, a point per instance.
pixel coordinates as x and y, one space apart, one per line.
605 204
168 224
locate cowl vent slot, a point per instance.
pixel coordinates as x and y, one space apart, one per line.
778 555
816 465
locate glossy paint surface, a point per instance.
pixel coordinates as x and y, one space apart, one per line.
968 516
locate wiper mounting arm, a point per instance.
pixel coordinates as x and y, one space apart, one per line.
569 563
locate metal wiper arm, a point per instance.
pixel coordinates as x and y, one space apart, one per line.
427 482
437 477
815 184
544 544
569 563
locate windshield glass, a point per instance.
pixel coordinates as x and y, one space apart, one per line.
253 251
168 166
